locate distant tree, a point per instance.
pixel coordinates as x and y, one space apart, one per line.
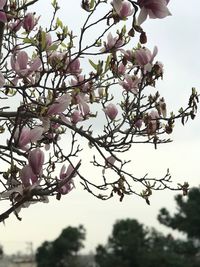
62 252
187 221
44 254
131 244
187 217
128 236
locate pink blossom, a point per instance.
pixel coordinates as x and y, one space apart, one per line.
3 16
55 58
29 22
16 25
22 66
60 105
113 43
121 69
79 81
36 160
27 176
153 8
111 111
129 55
73 66
76 116
65 119
82 103
152 123
130 83
144 58
122 8
138 123
36 133
48 39
26 135
2 3
69 185
61 60
154 114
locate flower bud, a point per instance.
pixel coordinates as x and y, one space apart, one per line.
138 124
111 111
27 176
29 22
143 38
36 160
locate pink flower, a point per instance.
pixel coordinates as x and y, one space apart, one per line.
153 8
152 122
121 69
76 116
36 160
129 55
3 16
138 123
48 39
27 176
16 25
22 66
55 59
111 111
69 185
113 43
130 83
122 8
73 66
144 58
79 81
82 103
29 22
24 136
60 105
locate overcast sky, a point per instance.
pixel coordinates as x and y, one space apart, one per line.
178 40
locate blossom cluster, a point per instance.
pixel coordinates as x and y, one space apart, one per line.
109 106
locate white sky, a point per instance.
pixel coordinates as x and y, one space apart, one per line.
178 40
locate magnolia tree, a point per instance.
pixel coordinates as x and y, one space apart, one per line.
43 75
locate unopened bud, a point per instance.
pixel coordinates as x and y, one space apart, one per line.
168 129
143 38
131 32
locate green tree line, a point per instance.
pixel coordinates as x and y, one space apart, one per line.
132 244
